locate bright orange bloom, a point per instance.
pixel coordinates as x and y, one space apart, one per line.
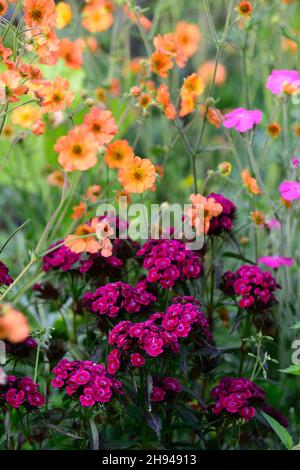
138 175
78 211
64 15
3 7
258 218
192 87
25 116
168 45
97 16
46 45
245 9
39 13
143 20
187 36
72 52
87 244
14 325
10 80
250 182
163 98
274 129
297 130
213 115
55 95
92 193
101 124
38 127
289 45
56 178
77 150
202 211
118 153
206 71
145 100
161 63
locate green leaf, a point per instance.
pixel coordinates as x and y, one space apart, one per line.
295 370
281 432
94 435
297 326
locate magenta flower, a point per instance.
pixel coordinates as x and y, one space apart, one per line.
279 79
275 262
290 190
295 162
242 119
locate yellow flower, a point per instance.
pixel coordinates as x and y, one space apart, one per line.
64 15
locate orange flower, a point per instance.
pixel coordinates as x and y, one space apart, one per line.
274 129
163 98
169 46
161 63
245 9
192 87
97 16
78 211
213 115
13 325
187 36
202 211
64 15
258 218
56 178
123 197
118 153
145 100
143 20
87 244
250 182
77 150
206 71
297 130
138 175
10 80
104 232
45 44
38 127
92 193
39 13
3 7
25 116
72 52
101 124
289 45
55 96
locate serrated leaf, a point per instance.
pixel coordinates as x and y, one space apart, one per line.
281 432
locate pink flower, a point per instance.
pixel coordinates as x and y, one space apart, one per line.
275 262
279 80
242 119
137 360
295 162
290 190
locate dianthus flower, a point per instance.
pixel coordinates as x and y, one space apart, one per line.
165 389
275 262
21 391
253 287
242 119
115 298
283 81
168 261
290 190
5 278
162 333
237 396
224 221
85 380
62 258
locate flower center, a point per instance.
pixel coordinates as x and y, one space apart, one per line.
36 15
138 174
77 149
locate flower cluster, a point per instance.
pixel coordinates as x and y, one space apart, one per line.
5 278
165 388
168 261
87 380
117 297
224 221
21 391
237 396
161 333
62 258
254 287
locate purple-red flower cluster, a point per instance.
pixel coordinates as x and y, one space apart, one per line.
5 278
224 221
168 261
62 258
21 391
254 287
165 388
161 333
237 396
87 380
118 297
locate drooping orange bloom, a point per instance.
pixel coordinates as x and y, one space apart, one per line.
118 153
142 19
56 178
78 211
64 15
46 45
77 150
101 123
169 46
3 7
206 72
97 16
87 243
39 13
72 52
5 53
55 95
187 36
25 116
250 182
92 193
163 98
161 63
14 325
202 211
11 82
212 114
192 87
138 175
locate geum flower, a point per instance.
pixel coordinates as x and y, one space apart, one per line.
77 150
202 211
54 95
163 98
168 45
84 238
193 86
118 153
242 119
283 81
187 36
138 175
14 325
39 13
250 182
101 124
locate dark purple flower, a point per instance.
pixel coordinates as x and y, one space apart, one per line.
224 221
5 278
